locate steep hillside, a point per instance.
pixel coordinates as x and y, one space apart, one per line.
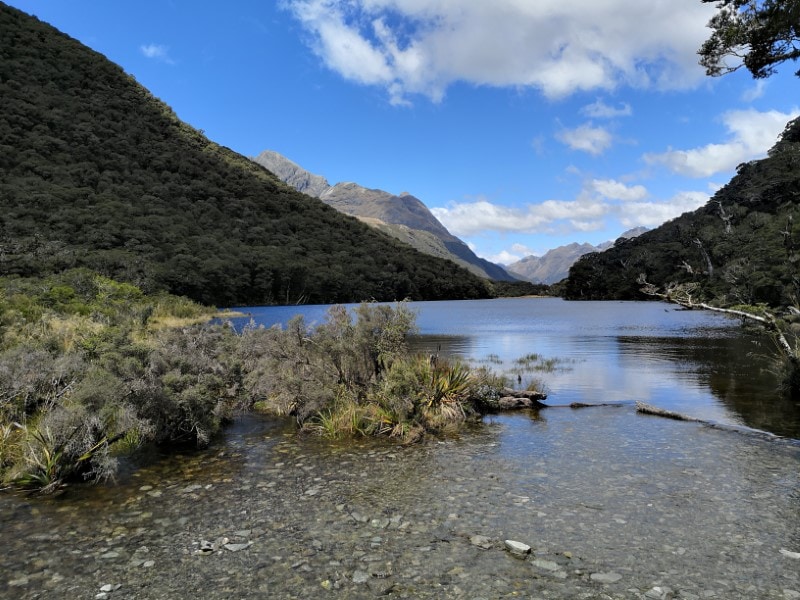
554 265
404 217
741 247
95 172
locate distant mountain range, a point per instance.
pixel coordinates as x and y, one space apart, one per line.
403 217
554 265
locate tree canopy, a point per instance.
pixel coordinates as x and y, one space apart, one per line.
755 34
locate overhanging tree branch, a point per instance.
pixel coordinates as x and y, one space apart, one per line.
681 294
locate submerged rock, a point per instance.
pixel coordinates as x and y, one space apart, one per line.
481 541
605 577
659 593
360 577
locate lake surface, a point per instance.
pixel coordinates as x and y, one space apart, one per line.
615 504
695 362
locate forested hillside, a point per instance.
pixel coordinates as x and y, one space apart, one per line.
740 248
96 172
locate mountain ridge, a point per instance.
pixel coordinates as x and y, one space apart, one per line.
399 215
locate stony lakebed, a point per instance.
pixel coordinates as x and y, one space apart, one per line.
611 504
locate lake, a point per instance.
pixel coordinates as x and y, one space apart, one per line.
695 362
613 503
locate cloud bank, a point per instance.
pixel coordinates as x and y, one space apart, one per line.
599 200
421 47
751 133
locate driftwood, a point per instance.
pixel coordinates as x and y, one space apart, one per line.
589 405
648 409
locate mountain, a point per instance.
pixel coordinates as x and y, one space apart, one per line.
404 217
740 248
554 265
95 172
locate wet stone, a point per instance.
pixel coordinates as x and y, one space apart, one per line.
517 548
606 577
360 577
547 565
481 541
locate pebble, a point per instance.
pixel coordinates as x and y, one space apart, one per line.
423 551
360 577
606 577
659 593
547 565
517 548
481 541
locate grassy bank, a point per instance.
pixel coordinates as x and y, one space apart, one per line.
91 369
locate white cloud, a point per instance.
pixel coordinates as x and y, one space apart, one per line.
601 110
614 190
504 258
653 214
755 92
469 218
751 134
156 52
587 138
598 203
422 46
522 249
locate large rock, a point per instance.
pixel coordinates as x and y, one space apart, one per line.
518 399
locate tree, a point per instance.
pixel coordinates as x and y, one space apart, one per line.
759 34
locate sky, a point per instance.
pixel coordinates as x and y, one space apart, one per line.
522 124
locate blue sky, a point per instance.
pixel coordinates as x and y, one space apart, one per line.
522 124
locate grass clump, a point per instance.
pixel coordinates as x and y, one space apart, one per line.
84 377
354 375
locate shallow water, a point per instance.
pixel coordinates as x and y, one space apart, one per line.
615 504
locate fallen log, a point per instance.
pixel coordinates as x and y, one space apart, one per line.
648 409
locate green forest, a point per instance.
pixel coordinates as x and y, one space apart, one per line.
738 249
95 172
